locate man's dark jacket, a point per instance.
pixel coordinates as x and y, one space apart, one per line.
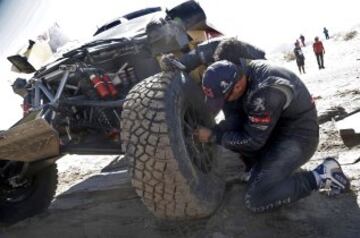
276 104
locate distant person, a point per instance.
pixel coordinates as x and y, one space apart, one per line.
326 33
302 38
300 58
319 51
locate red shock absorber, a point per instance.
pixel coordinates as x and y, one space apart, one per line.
110 85
26 108
99 85
26 105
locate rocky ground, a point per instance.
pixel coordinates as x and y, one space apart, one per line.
95 199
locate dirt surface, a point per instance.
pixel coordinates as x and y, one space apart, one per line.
95 199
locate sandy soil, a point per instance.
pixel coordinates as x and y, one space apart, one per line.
95 199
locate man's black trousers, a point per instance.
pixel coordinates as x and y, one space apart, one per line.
275 179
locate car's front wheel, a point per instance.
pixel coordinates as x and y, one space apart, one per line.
171 171
22 197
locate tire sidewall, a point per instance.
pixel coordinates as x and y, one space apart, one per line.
183 93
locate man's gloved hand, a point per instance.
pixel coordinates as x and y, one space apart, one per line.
168 62
204 135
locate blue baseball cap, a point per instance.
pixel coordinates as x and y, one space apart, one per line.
218 79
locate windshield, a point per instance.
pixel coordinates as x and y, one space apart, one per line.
126 17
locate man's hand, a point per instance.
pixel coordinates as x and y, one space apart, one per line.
203 134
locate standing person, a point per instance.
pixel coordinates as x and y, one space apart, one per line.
319 51
326 33
276 127
302 38
300 58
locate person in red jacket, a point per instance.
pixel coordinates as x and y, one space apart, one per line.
319 52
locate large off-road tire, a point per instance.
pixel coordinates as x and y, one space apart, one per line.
171 172
32 198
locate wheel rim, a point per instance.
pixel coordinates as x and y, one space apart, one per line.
200 153
14 189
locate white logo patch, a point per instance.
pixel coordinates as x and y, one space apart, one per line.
259 104
224 85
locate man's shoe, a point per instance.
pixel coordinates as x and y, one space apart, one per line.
332 178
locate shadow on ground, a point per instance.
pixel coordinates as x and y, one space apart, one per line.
315 216
105 205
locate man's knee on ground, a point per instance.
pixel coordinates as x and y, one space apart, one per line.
257 204
254 197
249 203
258 197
